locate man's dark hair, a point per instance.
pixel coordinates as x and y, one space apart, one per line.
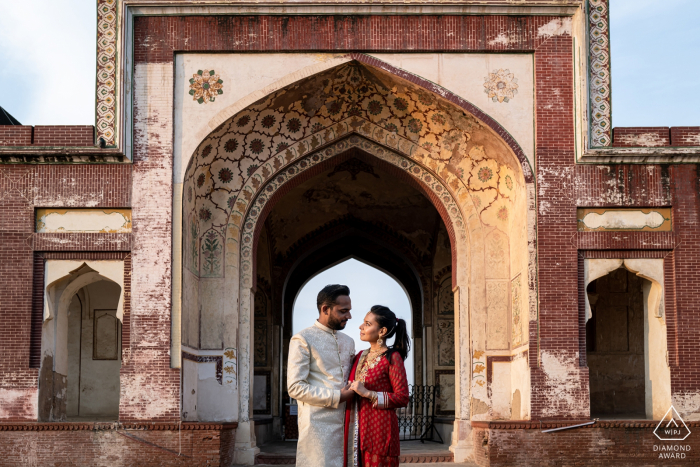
329 295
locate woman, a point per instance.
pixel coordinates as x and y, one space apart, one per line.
379 379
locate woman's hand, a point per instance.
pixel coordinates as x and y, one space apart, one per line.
360 389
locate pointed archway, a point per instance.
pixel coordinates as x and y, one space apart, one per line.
468 171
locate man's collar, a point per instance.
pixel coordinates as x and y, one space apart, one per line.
323 327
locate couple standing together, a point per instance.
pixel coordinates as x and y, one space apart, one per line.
346 402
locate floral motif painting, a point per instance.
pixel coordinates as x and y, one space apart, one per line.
516 303
212 254
446 298
276 137
192 245
205 85
501 85
230 369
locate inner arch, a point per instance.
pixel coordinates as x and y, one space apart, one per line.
368 286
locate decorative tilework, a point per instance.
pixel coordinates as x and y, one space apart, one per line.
501 85
230 368
259 147
205 85
599 80
264 195
106 98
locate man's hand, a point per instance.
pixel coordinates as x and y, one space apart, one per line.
360 389
346 393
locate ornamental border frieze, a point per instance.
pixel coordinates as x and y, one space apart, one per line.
599 97
106 91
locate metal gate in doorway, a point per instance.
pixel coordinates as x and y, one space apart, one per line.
416 420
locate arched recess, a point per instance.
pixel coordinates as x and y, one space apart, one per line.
66 280
468 169
657 372
351 241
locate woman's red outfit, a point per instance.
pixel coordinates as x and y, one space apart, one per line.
377 436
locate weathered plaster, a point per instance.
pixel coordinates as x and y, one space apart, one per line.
145 393
562 385
83 220
464 74
61 275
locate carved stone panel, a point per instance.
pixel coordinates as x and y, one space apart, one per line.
260 339
497 255
498 316
517 311
446 301
445 342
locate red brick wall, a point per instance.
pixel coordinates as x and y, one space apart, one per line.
685 136
15 135
157 37
47 135
566 394
64 135
618 444
641 137
22 188
62 444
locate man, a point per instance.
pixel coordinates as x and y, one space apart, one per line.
320 359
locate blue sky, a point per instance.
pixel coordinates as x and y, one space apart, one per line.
47 57
655 45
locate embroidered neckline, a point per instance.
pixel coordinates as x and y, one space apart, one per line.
368 365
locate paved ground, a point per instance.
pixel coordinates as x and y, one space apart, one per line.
438 464
288 448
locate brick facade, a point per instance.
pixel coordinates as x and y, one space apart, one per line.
151 389
47 135
186 444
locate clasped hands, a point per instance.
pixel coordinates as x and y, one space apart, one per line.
352 388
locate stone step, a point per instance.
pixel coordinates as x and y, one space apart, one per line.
412 458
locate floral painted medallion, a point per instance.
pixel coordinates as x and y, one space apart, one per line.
205 85
501 85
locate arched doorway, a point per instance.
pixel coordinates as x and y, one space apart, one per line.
471 177
79 377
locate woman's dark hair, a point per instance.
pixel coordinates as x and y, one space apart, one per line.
395 327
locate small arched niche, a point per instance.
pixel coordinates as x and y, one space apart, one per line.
81 341
626 344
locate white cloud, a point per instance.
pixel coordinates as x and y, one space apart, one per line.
47 51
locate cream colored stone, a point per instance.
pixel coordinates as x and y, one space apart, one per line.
247 78
83 220
58 271
623 220
463 74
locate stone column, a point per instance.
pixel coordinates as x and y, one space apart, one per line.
462 444
246 449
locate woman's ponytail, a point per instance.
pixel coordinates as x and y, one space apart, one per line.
395 327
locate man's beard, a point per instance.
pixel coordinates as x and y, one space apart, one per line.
335 323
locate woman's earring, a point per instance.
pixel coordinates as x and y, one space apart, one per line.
380 341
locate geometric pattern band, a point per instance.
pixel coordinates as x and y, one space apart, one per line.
600 103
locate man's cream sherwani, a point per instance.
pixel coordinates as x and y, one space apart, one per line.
319 363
